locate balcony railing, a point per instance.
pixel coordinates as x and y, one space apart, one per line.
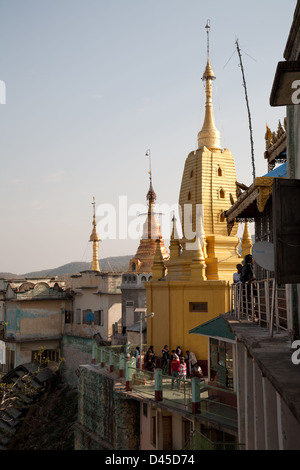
216 404
41 295
261 301
198 441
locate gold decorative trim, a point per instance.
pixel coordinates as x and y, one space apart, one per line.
265 188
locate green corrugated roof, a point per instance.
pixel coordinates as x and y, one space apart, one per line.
217 327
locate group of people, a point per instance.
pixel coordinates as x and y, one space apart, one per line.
179 366
244 271
174 363
149 359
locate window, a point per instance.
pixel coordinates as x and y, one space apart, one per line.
129 303
220 172
153 431
222 194
88 317
187 430
68 316
43 357
192 174
98 317
189 196
221 360
145 409
133 267
198 307
78 316
222 217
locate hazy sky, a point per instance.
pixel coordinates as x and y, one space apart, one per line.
91 85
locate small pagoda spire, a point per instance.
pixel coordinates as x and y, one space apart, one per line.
198 265
95 239
151 196
246 241
209 136
174 241
153 225
158 267
144 257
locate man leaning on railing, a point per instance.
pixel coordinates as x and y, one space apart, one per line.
247 277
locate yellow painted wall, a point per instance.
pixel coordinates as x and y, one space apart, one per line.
172 319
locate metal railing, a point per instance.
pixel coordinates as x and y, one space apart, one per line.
35 295
112 353
215 404
174 389
198 441
261 301
178 393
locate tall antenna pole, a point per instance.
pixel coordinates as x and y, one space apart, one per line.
207 27
249 114
148 154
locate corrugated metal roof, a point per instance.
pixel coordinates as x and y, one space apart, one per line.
215 328
279 172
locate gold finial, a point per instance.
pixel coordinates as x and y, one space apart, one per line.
95 239
209 136
151 196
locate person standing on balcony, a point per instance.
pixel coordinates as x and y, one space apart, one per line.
247 276
247 273
182 371
192 360
174 355
179 352
150 353
187 356
137 355
237 275
165 358
197 371
150 362
175 370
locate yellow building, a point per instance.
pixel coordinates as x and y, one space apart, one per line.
193 286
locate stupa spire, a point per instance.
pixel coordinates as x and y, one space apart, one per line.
174 241
209 136
144 257
95 239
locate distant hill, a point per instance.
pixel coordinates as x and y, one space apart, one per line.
112 264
